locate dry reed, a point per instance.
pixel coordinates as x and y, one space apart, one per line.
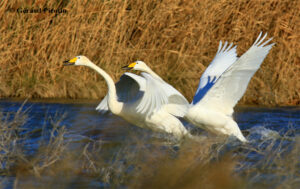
178 39
139 162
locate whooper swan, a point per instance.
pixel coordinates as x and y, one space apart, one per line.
138 100
221 86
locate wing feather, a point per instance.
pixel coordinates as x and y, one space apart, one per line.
159 94
102 108
154 97
152 94
225 57
129 88
231 86
177 104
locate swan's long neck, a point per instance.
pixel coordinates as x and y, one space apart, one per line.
114 105
152 73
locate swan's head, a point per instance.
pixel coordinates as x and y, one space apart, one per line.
77 61
137 65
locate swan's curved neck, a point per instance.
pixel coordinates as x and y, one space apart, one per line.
114 105
152 73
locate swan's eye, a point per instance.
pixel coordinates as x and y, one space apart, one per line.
79 57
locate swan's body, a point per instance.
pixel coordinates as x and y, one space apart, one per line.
222 85
177 104
139 100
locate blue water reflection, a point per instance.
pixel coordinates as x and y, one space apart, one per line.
261 126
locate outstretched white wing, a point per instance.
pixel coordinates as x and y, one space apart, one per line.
224 58
177 104
152 94
103 107
232 84
129 88
154 97
159 94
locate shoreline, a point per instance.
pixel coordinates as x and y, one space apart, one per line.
96 101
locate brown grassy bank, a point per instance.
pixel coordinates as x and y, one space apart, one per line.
178 39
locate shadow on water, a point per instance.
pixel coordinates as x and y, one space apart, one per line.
70 145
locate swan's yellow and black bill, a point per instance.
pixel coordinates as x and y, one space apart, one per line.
70 62
129 67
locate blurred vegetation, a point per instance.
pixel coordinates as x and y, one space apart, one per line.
177 38
49 158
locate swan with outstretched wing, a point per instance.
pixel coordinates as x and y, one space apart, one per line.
137 99
214 111
221 86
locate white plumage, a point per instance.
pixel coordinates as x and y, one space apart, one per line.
214 111
224 58
137 99
221 86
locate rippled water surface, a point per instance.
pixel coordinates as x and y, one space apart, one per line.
84 126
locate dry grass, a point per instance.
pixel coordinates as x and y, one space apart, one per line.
193 166
10 147
17 158
57 164
141 162
178 39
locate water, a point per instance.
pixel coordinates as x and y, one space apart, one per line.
269 130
